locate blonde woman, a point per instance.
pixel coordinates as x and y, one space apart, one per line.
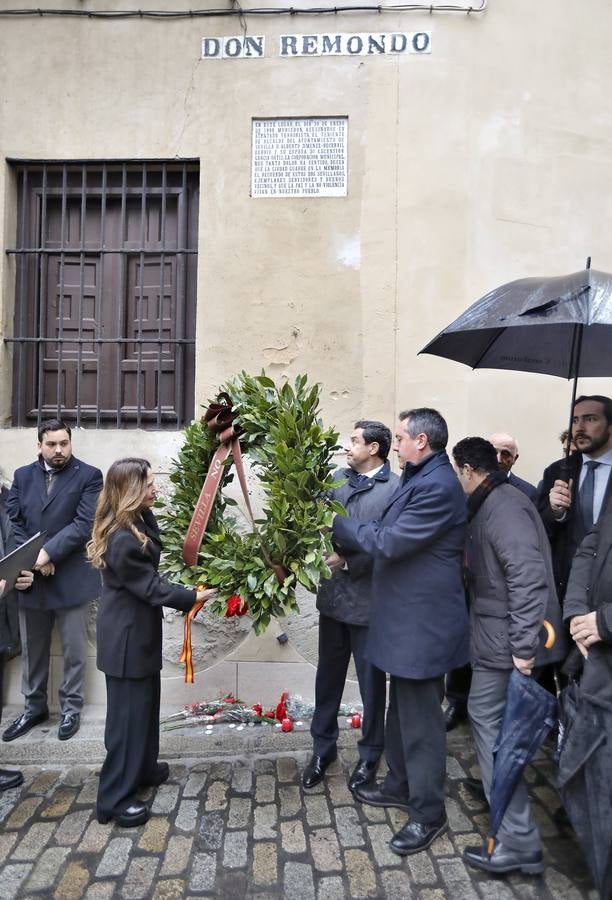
126 546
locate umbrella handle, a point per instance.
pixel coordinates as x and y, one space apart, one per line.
565 470
550 634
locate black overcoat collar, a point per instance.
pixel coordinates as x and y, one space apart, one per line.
416 473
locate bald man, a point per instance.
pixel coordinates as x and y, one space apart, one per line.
507 454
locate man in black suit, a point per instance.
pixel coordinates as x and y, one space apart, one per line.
507 454
575 492
418 621
57 494
343 602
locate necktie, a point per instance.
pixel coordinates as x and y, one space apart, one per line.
586 493
49 479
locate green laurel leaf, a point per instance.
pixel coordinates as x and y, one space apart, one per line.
290 452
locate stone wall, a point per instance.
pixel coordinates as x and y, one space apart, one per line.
485 160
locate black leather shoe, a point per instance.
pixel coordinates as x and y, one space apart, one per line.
10 780
315 770
375 795
454 715
503 860
476 788
162 773
131 817
23 724
69 726
417 836
363 773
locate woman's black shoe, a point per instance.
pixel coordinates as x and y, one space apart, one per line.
131 817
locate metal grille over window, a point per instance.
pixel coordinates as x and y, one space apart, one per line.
105 260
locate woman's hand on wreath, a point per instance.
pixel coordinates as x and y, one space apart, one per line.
205 594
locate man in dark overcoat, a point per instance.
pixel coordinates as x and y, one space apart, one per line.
512 590
418 622
343 602
570 510
458 682
585 776
57 494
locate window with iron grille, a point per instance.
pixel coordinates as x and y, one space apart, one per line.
106 258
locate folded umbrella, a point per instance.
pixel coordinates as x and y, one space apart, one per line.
584 771
529 714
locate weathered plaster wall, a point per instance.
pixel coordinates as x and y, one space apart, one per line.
487 160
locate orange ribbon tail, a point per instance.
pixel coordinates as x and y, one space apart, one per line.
187 654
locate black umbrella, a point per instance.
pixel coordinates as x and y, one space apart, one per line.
529 714
551 326
584 768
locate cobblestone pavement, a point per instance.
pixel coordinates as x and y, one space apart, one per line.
243 827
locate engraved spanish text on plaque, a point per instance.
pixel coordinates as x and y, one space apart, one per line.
299 157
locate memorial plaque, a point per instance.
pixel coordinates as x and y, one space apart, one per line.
299 157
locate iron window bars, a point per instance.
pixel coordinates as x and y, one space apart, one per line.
104 327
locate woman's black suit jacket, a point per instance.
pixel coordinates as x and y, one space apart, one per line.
129 627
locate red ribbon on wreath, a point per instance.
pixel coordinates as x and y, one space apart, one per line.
220 418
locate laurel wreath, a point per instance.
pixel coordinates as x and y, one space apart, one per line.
291 453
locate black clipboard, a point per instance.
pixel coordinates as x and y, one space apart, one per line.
23 557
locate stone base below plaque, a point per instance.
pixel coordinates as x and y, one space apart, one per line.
258 670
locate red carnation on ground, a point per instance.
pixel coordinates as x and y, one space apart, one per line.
258 709
281 709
